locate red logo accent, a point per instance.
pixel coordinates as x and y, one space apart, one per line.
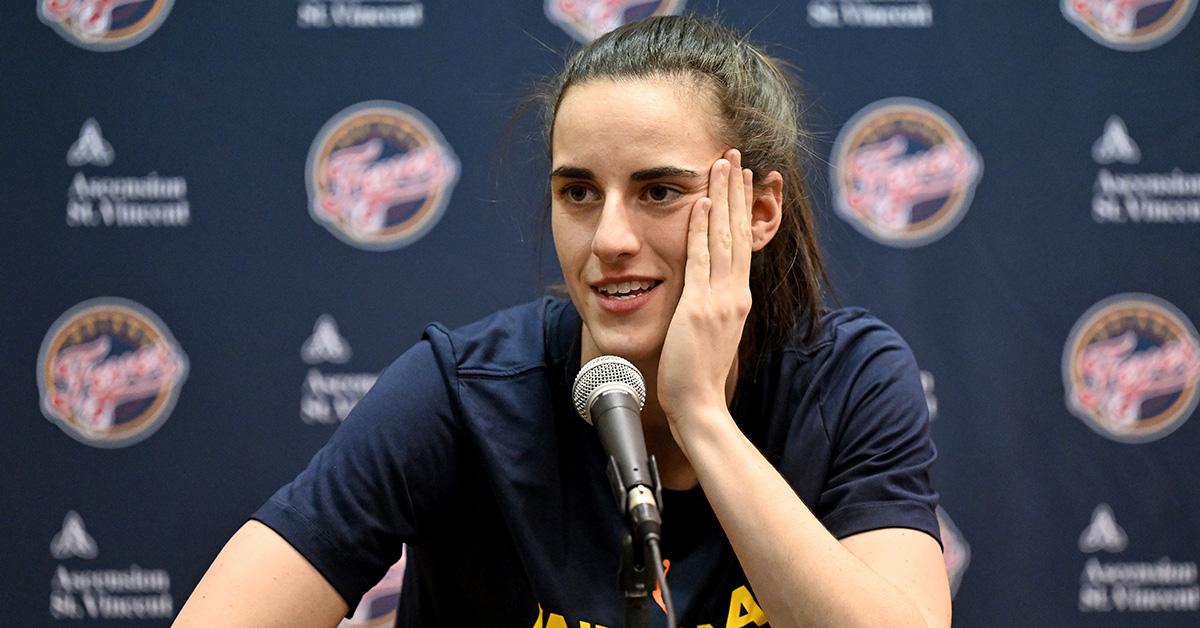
89 386
1129 24
1118 17
93 17
1116 381
109 372
588 19
886 184
903 172
104 24
379 175
1131 368
361 187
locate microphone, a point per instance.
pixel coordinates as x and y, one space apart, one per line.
609 393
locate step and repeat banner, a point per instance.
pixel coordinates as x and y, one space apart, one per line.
222 220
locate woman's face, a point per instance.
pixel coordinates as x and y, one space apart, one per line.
629 160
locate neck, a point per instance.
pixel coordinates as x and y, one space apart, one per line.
674 469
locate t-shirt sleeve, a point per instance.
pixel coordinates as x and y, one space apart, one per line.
379 482
878 425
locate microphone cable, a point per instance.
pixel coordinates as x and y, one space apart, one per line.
661 576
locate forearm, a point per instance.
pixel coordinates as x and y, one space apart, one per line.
800 573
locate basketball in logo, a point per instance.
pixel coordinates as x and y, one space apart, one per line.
903 172
379 175
1129 24
1131 368
586 20
104 25
109 372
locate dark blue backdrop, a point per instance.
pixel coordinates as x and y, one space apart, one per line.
1014 186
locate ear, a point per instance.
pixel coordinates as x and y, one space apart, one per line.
767 210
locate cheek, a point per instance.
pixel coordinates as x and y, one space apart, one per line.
572 241
671 237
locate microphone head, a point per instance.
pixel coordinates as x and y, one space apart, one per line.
602 374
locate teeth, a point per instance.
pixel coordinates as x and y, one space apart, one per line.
626 287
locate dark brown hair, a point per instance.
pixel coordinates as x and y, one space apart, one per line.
759 108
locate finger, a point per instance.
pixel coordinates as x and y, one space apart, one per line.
720 239
743 238
737 206
696 271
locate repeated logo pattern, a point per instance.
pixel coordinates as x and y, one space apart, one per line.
91 149
380 175
1115 144
104 593
1129 24
903 172
870 13
1131 368
1103 533
325 344
109 372
586 20
73 541
1113 582
360 14
104 25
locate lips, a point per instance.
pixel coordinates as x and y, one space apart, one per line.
620 295
626 289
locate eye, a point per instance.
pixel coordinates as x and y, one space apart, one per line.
576 193
658 193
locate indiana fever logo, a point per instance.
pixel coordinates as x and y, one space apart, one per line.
1131 368
109 372
586 20
104 25
903 172
379 175
1129 24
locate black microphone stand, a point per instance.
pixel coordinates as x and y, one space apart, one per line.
637 578
636 583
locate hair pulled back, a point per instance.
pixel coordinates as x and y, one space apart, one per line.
759 115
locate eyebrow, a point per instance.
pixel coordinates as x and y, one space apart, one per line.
648 174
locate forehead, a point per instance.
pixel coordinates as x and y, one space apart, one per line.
653 117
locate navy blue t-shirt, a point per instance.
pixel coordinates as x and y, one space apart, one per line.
469 451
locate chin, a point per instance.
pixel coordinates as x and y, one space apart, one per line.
633 347
636 336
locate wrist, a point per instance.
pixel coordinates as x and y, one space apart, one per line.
702 428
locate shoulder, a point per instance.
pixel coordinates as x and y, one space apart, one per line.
843 329
507 342
850 339
855 363
854 436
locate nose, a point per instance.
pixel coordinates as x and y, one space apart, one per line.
616 233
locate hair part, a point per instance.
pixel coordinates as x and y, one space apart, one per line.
759 114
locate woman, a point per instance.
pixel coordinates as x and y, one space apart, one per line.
793 444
